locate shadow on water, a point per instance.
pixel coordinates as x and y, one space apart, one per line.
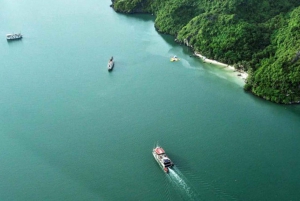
14 42
293 108
169 39
181 160
139 16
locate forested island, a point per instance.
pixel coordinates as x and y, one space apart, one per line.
261 37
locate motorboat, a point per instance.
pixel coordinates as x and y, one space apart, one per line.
110 64
14 36
174 58
162 159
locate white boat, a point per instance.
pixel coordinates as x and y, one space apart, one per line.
174 58
13 36
162 159
110 64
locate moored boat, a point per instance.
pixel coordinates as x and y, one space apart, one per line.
110 64
14 36
162 159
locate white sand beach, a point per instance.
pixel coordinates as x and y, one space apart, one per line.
242 75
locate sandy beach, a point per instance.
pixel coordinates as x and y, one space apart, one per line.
242 75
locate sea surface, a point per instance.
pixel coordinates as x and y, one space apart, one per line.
70 130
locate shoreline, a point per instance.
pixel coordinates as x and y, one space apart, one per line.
240 74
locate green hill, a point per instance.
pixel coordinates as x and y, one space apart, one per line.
261 37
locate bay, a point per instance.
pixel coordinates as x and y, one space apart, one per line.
70 130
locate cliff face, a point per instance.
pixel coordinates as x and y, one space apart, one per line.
259 36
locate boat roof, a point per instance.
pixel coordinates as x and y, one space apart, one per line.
159 150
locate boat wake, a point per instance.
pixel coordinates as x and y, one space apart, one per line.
179 181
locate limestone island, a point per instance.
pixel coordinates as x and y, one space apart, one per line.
259 38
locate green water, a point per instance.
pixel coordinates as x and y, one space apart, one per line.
70 130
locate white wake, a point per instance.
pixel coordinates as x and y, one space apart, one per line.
177 178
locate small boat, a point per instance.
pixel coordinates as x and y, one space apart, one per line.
110 64
162 159
14 36
174 58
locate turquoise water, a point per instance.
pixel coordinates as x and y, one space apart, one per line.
72 131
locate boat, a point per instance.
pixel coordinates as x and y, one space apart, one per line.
174 58
110 64
14 36
162 159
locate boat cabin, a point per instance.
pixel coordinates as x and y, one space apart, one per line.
159 151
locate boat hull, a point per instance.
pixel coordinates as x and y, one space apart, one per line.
10 39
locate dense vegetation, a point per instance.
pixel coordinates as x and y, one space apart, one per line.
261 37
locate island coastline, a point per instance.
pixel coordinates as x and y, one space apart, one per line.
276 80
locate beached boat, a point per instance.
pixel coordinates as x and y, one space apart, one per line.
162 159
14 36
110 64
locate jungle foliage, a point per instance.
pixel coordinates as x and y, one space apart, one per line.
261 37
